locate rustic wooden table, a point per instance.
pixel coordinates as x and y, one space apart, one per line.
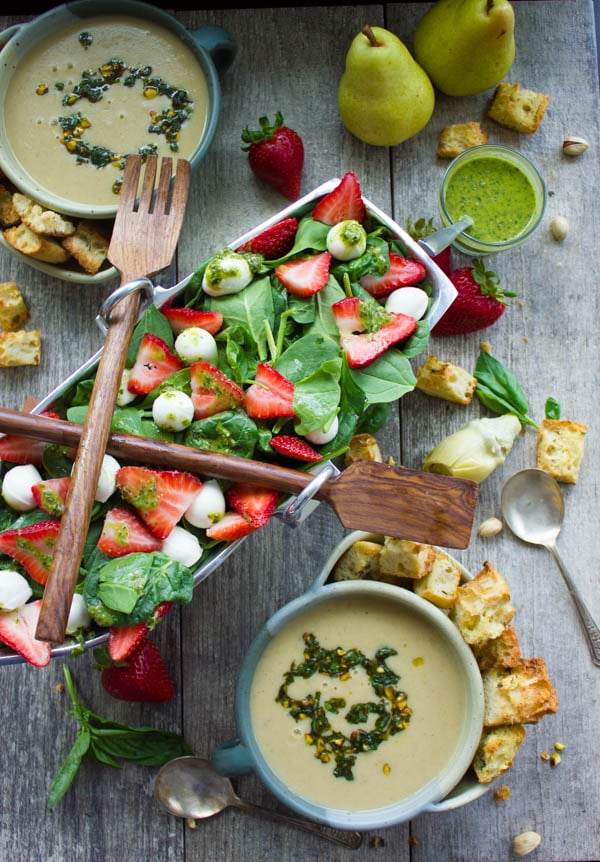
291 59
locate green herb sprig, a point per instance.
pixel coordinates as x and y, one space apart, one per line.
110 743
499 390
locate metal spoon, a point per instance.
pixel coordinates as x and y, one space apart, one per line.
190 787
437 241
533 507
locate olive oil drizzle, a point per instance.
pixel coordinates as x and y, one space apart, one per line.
391 708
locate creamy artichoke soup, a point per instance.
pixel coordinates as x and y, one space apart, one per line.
97 91
357 703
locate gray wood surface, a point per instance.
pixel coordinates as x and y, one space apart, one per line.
291 59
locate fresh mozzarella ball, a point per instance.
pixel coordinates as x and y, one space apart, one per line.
196 345
173 410
347 240
16 487
183 547
408 300
79 617
324 435
14 590
124 396
207 507
226 272
107 483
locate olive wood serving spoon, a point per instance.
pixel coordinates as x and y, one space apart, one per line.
144 238
367 495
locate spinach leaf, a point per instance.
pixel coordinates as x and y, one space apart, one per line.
324 321
418 341
387 378
375 261
499 390
306 355
310 236
127 589
154 321
249 311
374 418
231 431
316 397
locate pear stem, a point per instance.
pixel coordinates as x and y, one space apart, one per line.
370 36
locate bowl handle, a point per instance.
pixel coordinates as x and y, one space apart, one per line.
232 758
6 35
218 42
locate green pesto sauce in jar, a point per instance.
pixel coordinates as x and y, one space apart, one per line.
497 195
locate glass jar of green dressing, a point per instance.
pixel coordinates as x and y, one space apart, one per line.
501 190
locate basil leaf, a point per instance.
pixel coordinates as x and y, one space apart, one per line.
144 746
68 770
493 374
552 409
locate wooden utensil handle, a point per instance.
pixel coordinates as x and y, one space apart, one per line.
66 558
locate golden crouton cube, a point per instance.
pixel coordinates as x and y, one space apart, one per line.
359 561
483 609
402 558
518 109
496 751
559 449
459 137
363 447
440 586
35 245
20 348
8 214
41 220
518 695
88 245
13 311
445 380
501 652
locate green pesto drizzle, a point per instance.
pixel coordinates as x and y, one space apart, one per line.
391 708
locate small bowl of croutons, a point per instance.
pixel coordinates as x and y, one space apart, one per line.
71 249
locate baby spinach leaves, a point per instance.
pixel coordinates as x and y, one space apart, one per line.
110 743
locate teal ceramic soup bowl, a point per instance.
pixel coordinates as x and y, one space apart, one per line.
293 745
204 53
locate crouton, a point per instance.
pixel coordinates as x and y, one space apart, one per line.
401 558
363 447
20 348
8 214
41 220
559 449
518 695
501 652
88 245
360 560
445 380
482 609
440 586
496 751
459 137
35 245
518 109
13 311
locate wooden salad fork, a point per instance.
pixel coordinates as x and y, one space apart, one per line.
143 242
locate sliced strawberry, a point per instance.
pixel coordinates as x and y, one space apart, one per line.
17 630
154 362
305 275
343 202
274 241
230 527
254 502
213 391
183 318
402 272
123 640
367 330
160 497
142 677
294 447
271 394
123 533
32 546
24 450
50 495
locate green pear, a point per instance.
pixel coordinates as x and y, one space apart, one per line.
466 46
384 97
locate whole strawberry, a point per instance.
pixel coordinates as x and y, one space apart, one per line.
276 155
142 676
479 303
